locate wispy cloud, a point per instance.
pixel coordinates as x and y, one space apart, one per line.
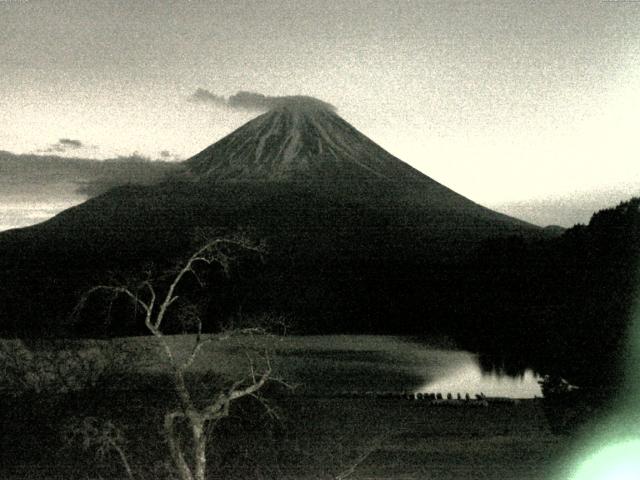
167 155
204 96
239 101
251 101
64 145
28 174
68 142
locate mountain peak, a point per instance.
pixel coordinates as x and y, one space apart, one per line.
300 138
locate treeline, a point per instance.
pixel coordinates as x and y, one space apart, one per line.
563 305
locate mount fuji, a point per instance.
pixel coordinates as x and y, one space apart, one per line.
359 241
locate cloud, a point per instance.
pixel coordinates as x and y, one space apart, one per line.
67 142
167 155
63 145
50 176
239 101
134 169
206 97
253 101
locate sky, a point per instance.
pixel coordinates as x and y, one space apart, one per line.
527 107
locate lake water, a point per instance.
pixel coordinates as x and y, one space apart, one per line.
365 363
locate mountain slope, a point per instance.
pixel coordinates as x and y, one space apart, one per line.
300 140
304 140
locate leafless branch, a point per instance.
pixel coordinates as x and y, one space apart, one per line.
156 306
359 460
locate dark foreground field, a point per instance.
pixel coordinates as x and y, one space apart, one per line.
312 438
328 427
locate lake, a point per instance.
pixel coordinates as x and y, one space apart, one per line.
385 363
330 364
323 364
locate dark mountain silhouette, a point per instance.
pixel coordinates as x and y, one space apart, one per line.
358 240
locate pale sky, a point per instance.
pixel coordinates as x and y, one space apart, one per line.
528 107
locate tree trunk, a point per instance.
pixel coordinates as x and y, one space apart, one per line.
200 445
184 472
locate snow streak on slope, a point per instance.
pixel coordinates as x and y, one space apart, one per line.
299 139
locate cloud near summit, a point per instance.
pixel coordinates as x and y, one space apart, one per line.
250 101
239 101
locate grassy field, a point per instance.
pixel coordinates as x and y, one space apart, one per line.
313 438
409 440
315 434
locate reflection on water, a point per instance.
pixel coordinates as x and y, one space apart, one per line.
359 363
465 375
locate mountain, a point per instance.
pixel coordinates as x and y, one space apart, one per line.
303 140
300 140
359 240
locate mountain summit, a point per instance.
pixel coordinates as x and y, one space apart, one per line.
300 138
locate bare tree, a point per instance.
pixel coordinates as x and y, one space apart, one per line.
190 457
102 436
